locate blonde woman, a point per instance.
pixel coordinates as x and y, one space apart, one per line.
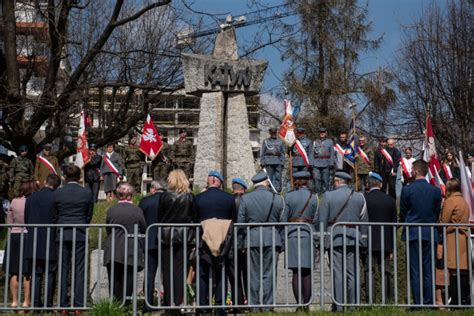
176 206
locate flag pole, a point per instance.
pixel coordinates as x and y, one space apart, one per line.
355 155
291 170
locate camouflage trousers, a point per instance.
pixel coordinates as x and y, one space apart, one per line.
15 188
184 165
134 177
161 171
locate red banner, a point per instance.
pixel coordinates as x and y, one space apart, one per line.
150 142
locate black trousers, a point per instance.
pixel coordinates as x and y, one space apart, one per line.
78 277
120 280
150 276
238 298
94 186
219 277
40 275
377 257
172 264
389 183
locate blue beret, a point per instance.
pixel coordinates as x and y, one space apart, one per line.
301 175
375 176
23 148
240 181
259 177
47 146
300 129
342 175
217 174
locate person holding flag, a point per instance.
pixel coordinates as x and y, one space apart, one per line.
386 164
300 151
46 164
111 169
406 163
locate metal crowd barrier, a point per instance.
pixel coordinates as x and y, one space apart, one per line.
381 277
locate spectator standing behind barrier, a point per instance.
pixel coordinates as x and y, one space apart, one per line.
39 209
239 186
420 202
12 259
128 215
381 208
301 207
150 207
176 206
261 206
215 210
343 205
73 205
456 211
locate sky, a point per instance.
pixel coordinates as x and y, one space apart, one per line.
389 17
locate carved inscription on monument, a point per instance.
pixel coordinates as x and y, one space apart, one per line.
227 75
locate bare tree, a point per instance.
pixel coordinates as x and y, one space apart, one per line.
127 48
435 76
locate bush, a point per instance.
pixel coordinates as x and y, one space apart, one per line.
106 307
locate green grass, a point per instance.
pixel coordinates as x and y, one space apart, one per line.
106 308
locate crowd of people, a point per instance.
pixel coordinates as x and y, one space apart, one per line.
42 199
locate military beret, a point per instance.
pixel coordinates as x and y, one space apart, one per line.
23 148
47 146
93 146
300 130
240 182
322 129
301 175
342 175
259 177
272 130
217 174
375 176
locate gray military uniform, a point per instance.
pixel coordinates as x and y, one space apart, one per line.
323 151
354 211
272 157
296 212
263 241
298 162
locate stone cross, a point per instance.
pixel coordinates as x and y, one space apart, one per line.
222 81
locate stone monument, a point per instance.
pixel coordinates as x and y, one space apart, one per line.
222 80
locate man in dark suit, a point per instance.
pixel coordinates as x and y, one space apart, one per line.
39 208
150 208
420 202
381 208
386 163
213 204
92 171
73 205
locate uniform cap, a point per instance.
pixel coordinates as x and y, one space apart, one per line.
272 130
375 176
300 130
23 148
182 130
342 175
47 146
259 177
92 146
217 174
240 182
301 175
322 129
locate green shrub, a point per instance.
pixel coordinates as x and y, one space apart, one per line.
106 307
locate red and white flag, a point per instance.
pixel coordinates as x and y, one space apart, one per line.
48 165
287 127
387 156
82 151
431 157
302 152
150 142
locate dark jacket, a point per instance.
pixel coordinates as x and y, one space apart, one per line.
39 209
127 215
215 203
381 164
73 205
381 208
150 207
420 202
176 208
92 169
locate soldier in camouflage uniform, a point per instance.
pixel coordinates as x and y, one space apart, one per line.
42 171
4 177
134 162
363 168
21 170
161 165
182 154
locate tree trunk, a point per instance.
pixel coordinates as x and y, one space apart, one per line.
12 72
